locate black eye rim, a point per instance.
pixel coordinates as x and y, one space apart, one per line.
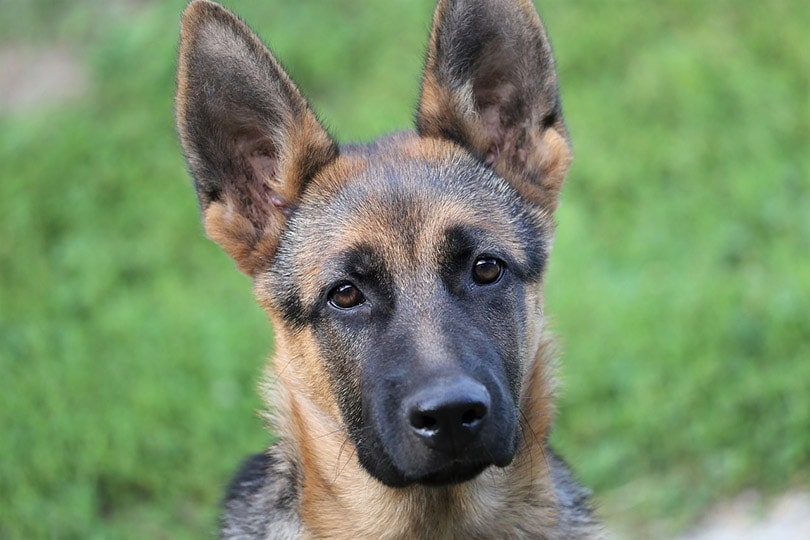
359 299
488 259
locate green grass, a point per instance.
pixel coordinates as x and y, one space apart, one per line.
679 286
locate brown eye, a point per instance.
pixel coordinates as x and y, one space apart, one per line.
346 296
487 270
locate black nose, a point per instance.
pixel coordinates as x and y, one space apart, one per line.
448 414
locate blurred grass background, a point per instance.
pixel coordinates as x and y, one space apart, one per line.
680 284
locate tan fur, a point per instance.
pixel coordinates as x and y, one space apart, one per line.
553 157
250 248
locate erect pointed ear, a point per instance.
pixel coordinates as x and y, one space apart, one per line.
249 137
490 85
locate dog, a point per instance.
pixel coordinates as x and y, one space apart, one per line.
412 384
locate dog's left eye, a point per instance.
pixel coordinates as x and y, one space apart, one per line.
346 296
487 270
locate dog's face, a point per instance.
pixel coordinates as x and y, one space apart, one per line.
404 276
411 276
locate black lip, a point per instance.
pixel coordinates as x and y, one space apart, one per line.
456 473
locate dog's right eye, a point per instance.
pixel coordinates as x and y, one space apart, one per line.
346 296
487 270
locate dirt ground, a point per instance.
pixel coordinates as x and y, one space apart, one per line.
746 517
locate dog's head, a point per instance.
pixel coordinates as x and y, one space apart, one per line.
404 276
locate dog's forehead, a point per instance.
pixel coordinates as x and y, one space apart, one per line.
404 191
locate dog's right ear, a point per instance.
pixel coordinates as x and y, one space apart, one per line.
249 137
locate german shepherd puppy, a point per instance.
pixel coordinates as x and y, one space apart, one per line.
412 381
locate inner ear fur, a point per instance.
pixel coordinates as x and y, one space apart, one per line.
490 85
250 139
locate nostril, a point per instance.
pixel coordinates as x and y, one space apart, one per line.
472 415
450 420
423 421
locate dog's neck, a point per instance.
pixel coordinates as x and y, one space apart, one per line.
339 499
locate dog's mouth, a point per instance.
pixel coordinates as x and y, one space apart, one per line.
412 466
455 473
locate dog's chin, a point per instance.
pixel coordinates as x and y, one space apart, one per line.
454 474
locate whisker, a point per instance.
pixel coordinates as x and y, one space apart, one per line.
338 469
536 439
328 434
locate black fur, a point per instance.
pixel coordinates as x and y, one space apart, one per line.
262 496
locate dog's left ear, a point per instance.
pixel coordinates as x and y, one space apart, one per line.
490 85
